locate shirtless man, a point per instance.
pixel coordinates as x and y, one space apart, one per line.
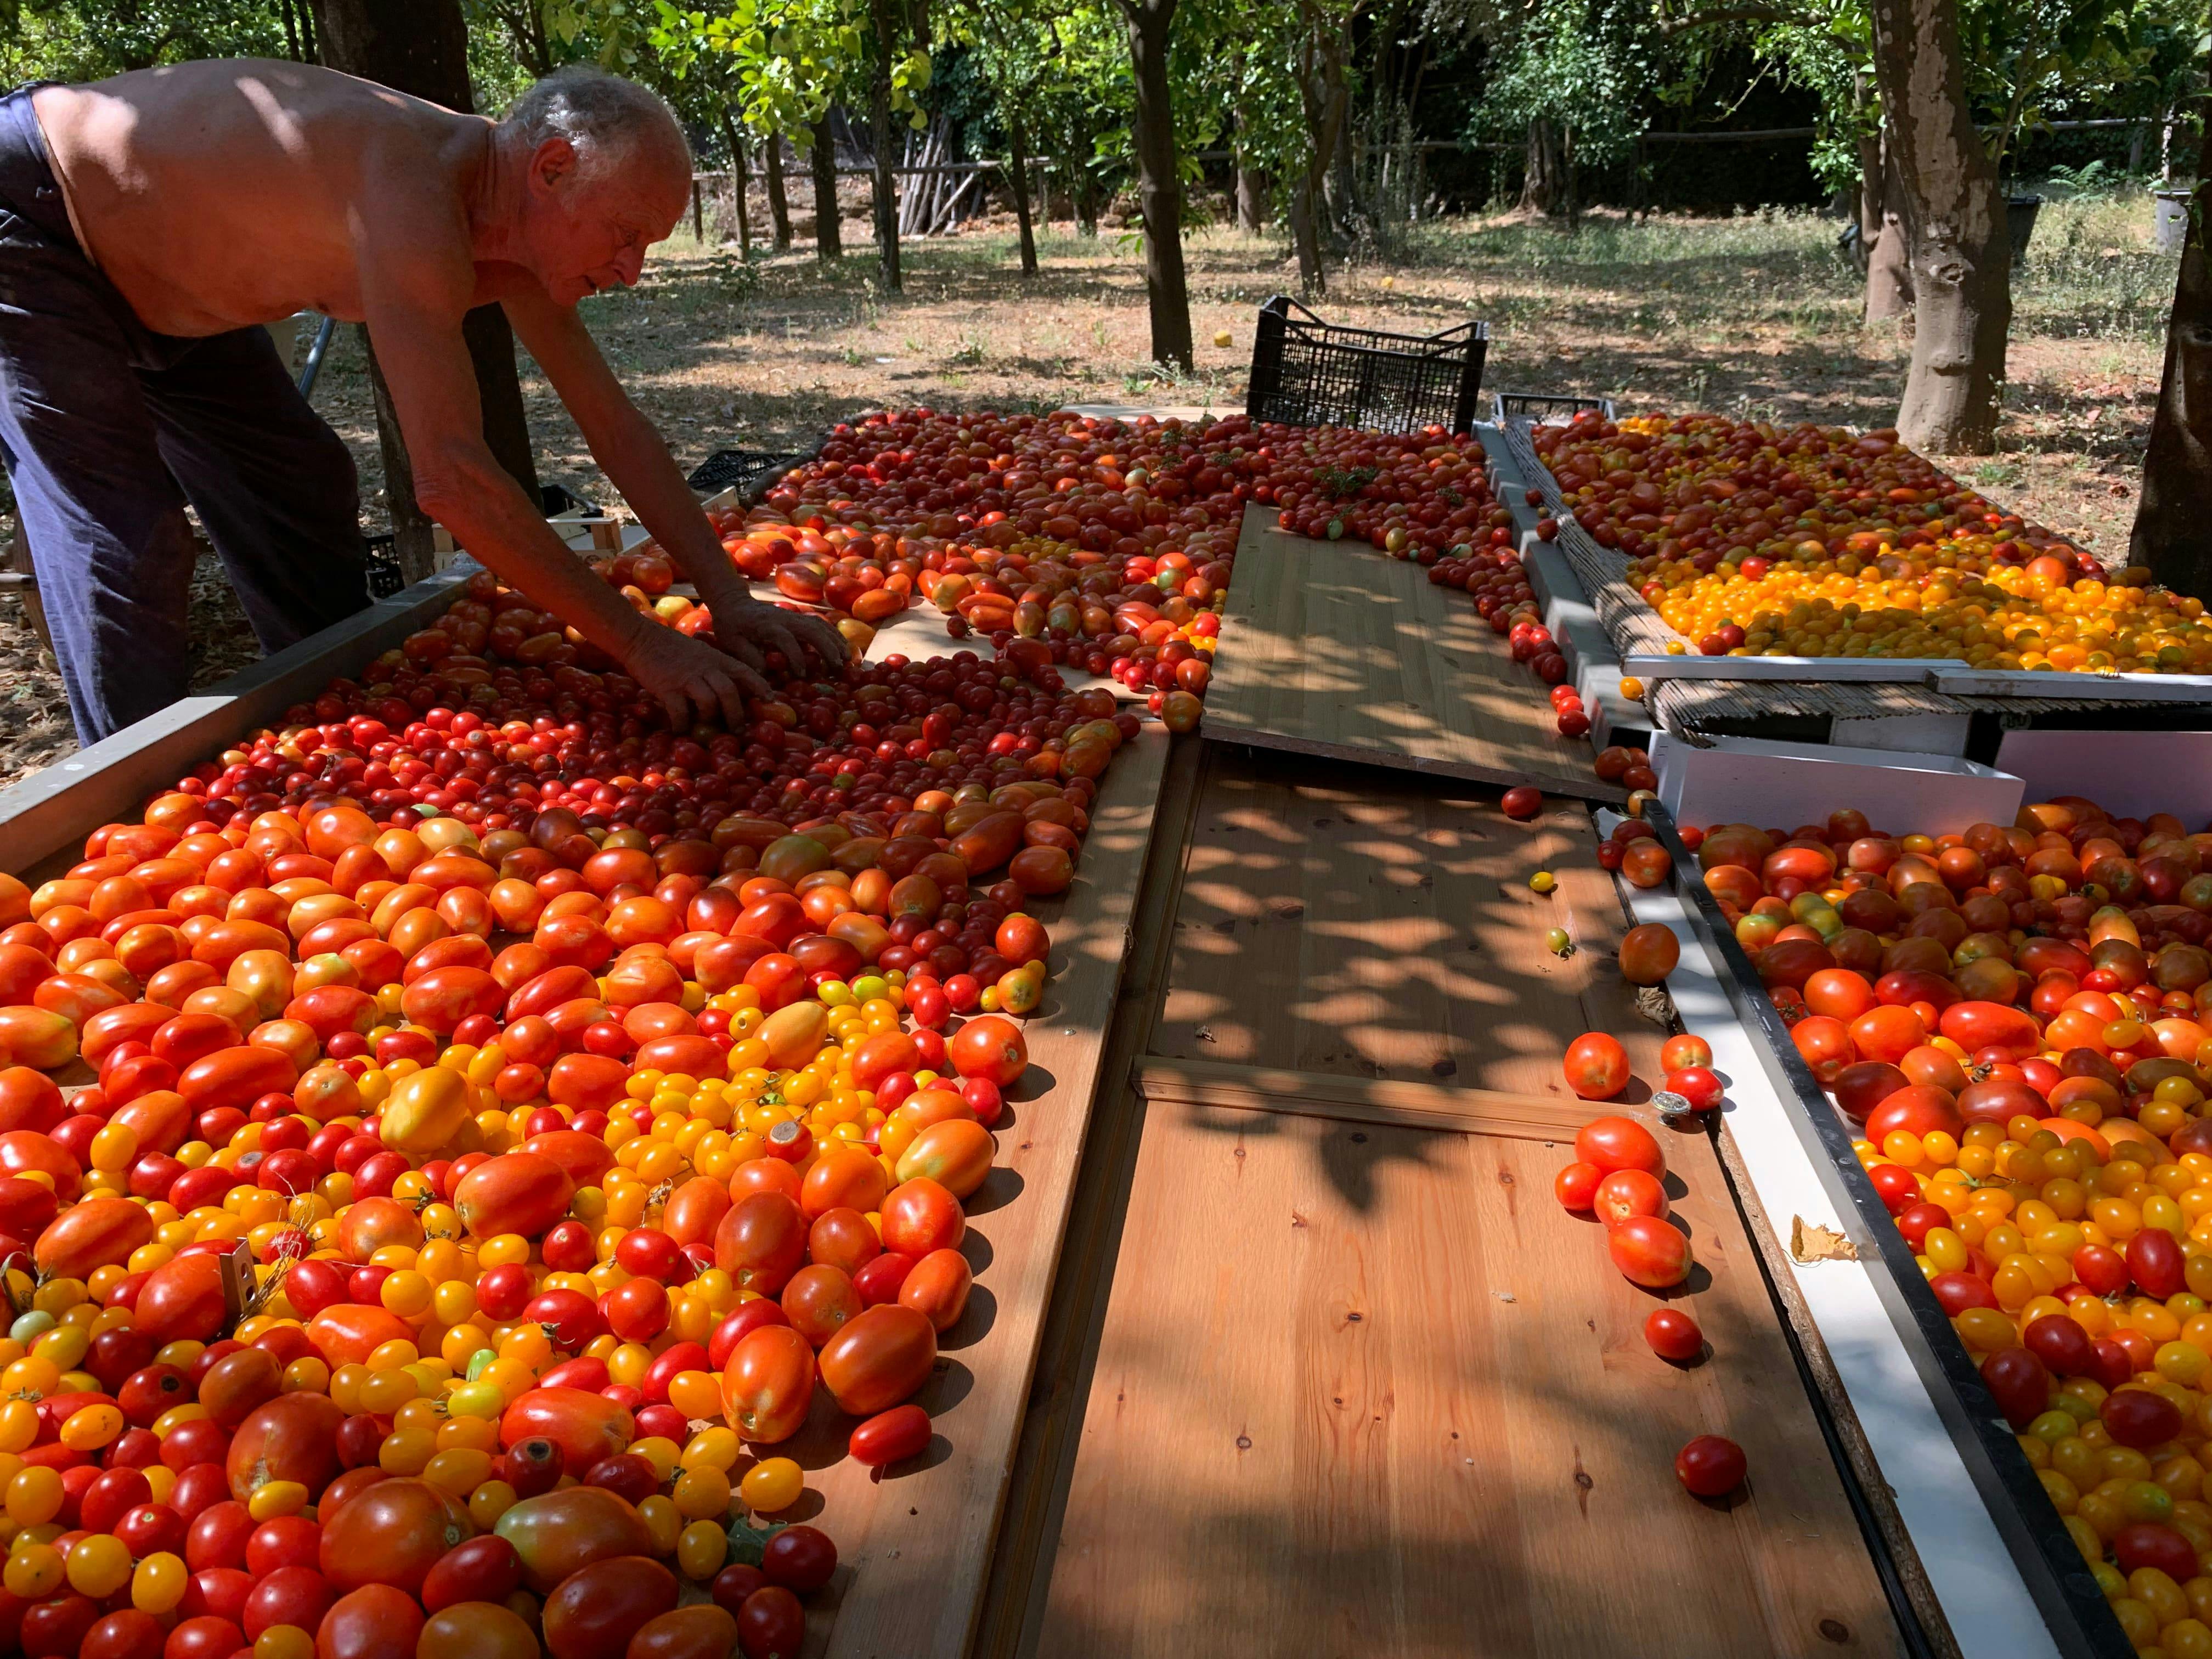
150 223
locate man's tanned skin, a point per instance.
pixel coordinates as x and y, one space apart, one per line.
217 194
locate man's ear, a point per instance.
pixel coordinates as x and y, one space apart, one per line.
552 163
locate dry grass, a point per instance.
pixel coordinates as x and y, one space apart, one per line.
1754 316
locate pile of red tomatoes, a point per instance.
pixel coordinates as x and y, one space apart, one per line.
2015 1020
504 1123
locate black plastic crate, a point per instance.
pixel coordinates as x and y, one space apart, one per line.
1309 373
384 574
748 471
1542 405
555 499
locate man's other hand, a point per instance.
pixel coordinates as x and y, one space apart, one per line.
685 676
746 629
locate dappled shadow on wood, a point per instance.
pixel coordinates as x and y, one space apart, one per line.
1362 923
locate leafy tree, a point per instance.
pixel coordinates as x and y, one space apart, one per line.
91 40
1574 79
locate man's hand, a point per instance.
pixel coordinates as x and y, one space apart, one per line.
685 675
747 626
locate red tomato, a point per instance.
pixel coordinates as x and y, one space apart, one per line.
890 1437
486 1569
1684 1049
1674 1335
1626 1192
771 1623
1577 1185
878 1358
2060 1344
1597 1066
2155 1260
2104 1271
1648 1252
801 1559
2148 1544
1709 1466
2018 1383
2140 1418
990 1047
1522 803
595 1610
393 1533
920 1216
1698 1085
373 1622
769 1381
1619 1142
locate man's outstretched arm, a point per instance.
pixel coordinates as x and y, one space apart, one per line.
414 314
636 459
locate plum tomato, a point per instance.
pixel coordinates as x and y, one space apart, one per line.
1674 1335
1709 1466
1648 1252
1577 1185
1612 1143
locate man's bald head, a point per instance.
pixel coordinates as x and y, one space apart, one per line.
615 126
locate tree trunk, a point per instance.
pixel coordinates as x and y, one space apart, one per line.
2174 533
829 238
1251 198
1305 238
1543 181
1871 193
1082 191
1955 224
1160 182
880 111
1348 207
420 47
740 170
1018 165
1889 268
779 206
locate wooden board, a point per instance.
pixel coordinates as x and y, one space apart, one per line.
1329 648
915 1549
1374 1387
1361 1383
1373 925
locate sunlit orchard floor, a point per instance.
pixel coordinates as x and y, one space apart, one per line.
1754 315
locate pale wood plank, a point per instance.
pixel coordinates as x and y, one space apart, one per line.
1357 1411
1331 648
1382 925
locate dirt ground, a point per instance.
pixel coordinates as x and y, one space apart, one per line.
1754 315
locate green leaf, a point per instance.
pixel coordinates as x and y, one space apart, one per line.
747 1541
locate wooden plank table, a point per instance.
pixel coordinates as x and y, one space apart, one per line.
1361 1381
1330 649
1346 921
915 1548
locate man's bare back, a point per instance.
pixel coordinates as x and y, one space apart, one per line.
215 196
218 194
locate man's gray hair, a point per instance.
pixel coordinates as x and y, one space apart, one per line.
609 121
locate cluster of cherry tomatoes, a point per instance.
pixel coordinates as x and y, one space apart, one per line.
1751 539
513 1122
2015 1022
1062 539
